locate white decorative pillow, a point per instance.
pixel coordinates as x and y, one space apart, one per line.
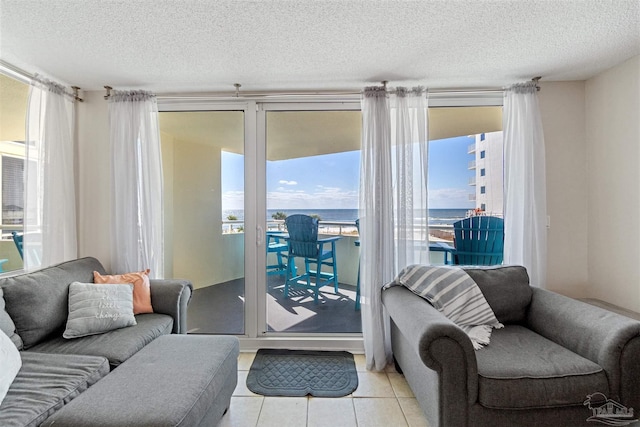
94 309
10 364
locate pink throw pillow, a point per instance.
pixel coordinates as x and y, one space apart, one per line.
141 288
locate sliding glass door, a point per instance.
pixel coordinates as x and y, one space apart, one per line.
232 172
312 169
204 164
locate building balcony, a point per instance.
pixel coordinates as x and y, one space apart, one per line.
472 197
472 164
218 308
471 148
472 181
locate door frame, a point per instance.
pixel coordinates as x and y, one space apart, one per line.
255 313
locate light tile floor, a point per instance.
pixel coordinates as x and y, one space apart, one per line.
382 399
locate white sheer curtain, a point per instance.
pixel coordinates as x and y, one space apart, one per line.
137 236
393 192
49 201
525 183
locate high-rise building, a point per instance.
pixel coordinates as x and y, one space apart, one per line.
489 171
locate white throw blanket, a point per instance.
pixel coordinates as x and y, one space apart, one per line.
456 295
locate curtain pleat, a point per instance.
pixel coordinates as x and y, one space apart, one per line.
525 211
137 237
50 235
393 203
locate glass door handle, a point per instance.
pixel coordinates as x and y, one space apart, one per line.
259 236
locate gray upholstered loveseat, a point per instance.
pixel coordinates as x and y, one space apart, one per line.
146 374
539 370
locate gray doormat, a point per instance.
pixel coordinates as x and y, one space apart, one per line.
301 372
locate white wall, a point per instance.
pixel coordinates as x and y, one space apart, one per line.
563 119
612 105
199 252
94 182
167 142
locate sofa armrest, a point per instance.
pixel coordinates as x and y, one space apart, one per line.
171 296
441 344
606 338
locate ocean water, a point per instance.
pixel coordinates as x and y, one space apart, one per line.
436 216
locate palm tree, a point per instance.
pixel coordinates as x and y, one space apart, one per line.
279 216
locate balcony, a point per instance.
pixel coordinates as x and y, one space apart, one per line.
471 148
472 181
472 197
220 308
472 164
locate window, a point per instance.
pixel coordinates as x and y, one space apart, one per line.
457 168
13 108
12 190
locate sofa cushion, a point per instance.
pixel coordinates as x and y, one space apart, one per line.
176 381
117 345
521 369
7 326
45 383
48 290
141 288
95 309
10 363
506 289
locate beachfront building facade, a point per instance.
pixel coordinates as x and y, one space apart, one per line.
488 164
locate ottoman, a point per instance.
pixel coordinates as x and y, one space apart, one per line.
176 380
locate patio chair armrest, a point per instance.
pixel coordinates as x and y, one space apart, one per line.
329 239
171 296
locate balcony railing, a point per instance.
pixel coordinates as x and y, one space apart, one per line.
337 228
472 164
471 148
472 197
472 181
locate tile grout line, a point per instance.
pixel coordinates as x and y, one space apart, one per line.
260 412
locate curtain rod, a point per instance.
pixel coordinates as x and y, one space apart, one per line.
18 73
302 93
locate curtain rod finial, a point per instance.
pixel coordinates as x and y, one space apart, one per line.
237 86
108 89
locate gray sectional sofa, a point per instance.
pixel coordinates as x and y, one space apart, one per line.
552 364
137 375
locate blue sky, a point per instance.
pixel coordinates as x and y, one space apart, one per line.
331 181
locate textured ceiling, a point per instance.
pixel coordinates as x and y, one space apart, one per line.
199 45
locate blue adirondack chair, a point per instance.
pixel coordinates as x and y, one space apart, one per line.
303 243
17 239
34 256
479 240
276 245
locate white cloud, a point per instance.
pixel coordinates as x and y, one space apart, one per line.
285 182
